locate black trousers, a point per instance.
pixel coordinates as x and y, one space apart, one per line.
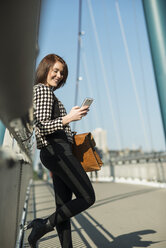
68 177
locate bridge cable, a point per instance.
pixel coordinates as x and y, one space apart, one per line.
89 85
95 78
112 69
142 74
78 56
133 81
104 73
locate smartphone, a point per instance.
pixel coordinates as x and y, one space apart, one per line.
87 101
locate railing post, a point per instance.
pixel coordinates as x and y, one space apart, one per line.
155 15
2 132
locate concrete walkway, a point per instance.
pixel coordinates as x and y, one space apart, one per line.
124 216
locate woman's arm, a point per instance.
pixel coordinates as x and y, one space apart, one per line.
43 101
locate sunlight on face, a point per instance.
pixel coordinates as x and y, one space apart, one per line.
55 74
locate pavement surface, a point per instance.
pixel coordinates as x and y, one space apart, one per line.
124 216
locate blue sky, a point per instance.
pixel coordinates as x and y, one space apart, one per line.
125 98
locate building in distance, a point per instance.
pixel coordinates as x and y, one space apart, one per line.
100 136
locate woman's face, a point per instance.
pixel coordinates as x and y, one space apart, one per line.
55 74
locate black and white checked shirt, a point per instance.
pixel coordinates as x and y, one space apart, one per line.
44 103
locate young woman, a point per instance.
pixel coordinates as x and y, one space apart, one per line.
54 139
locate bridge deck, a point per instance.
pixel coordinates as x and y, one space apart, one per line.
123 216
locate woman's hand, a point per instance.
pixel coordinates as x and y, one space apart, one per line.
75 114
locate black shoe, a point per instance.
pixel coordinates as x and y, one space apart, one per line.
39 228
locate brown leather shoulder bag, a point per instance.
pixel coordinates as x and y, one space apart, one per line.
84 151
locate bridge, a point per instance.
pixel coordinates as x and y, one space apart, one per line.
124 215
131 186
129 202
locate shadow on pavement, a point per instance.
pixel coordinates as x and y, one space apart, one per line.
101 237
131 240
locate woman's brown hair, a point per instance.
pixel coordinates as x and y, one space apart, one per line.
43 68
